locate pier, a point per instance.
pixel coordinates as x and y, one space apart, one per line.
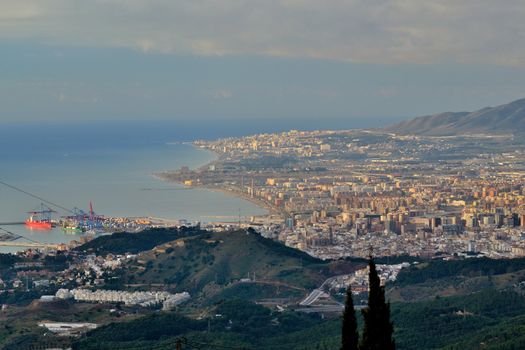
29 245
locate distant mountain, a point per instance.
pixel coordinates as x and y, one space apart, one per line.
508 118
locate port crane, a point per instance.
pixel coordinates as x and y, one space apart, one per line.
86 221
41 218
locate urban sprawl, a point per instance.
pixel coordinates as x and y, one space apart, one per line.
347 193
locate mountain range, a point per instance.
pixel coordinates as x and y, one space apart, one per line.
503 119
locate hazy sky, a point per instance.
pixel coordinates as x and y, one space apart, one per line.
356 60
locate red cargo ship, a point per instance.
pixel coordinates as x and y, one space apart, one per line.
40 219
42 225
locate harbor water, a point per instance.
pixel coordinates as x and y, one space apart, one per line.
109 165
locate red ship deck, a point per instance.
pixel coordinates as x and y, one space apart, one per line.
42 225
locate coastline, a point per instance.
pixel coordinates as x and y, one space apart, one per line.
269 209
258 202
237 194
111 196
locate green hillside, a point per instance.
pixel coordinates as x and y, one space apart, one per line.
489 320
236 323
443 322
224 265
462 304
125 242
459 277
486 320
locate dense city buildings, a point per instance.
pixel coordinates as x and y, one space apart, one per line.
342 193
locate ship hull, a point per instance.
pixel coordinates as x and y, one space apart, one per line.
40 225
72 230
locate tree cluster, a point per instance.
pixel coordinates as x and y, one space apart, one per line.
377 329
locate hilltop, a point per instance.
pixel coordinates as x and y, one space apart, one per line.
213 266
126 242
220 265
503 119
245 289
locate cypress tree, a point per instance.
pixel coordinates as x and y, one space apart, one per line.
349 336
377 332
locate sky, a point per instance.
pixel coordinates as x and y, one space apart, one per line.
329 63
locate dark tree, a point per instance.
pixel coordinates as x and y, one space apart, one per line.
377 332
349 336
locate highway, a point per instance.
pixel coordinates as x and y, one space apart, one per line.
312 297
318 292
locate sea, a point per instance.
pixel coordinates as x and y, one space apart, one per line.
108 164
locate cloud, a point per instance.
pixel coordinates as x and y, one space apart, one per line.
373 31
387 92
221 94
19 10
61 97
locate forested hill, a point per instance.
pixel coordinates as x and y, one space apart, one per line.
125 242
486 320
215 260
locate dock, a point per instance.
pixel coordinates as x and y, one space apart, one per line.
29 245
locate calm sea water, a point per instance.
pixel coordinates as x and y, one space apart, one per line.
110 165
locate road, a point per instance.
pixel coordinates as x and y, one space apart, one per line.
312 297
318 292
326 308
